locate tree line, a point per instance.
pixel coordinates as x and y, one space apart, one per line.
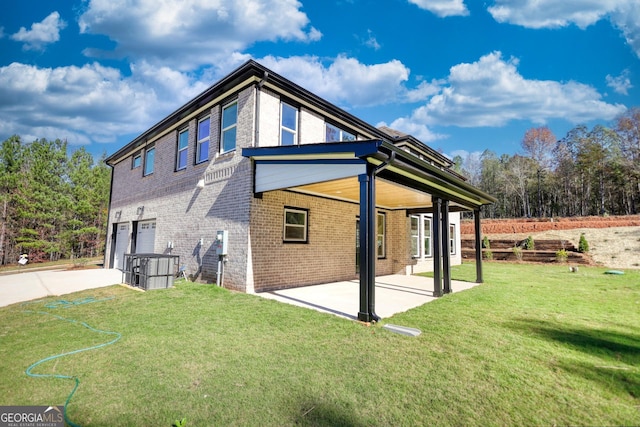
53 205
587 172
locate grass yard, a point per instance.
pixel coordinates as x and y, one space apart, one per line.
534 345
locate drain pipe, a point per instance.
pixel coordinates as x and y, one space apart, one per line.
371 298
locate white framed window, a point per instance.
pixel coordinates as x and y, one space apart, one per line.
149 158
452 239
183 147
202 141
296 225
288 124
334 133
229 127
426 236
415 236
380 235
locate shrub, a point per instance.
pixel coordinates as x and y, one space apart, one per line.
529 243
517 251
583 245
562 256
488 255
485 243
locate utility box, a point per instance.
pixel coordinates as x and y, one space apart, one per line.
150 271
221 242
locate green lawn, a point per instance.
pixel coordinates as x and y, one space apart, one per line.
534 345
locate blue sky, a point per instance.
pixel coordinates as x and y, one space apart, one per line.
461 75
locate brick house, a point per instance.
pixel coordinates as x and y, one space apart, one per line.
306 192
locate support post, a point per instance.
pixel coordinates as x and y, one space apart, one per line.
363 314
437 246
478 236
372 249
446 249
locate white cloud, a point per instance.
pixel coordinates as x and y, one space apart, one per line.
345 80
371 41
443 8
415 129
620 84
491 92
41 33
186 35
623 14
88 103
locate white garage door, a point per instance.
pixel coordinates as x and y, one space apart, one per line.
121 245
146 237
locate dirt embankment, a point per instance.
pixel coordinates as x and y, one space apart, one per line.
613 241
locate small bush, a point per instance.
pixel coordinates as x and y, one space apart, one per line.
583 245
518 253
529 243
562 256
485 243
488 255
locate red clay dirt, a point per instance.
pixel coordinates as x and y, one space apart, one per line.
534 225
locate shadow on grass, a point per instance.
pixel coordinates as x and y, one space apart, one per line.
328 414
613 349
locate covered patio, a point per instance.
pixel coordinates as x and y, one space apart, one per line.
394 294
375 174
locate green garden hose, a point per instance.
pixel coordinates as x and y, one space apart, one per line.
66 304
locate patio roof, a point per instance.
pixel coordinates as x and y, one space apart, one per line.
332 170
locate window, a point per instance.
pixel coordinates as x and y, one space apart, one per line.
452 239
415 236
380 235
288 124
183 146
334 133
295 225
427 236
137 161
202 144
229 122
149 157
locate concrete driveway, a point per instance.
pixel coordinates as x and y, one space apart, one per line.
394 294
19 287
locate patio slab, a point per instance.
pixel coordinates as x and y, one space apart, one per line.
393 294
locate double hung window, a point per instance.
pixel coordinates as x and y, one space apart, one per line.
183 146
380 234
288 124
295 225
229 127
202 144
149 157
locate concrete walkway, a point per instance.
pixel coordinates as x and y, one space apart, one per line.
394 294
15 288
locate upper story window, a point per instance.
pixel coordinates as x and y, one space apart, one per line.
229 127
183 146
202 144
295 225
380 235
137 161
334 133
288 124
149 157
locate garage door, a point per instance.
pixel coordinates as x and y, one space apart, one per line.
146 237
121 245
